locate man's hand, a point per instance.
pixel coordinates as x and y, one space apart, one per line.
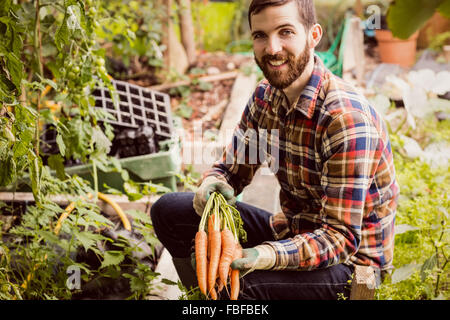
209 185
261 257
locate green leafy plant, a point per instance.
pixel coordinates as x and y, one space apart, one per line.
50 62
439 41
421 253
132 30
404 17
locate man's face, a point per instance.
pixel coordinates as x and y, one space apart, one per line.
280 44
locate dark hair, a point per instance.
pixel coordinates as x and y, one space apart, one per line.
306 10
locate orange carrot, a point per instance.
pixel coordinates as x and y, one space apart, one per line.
214 256
213 293
234 285
220 287
228 246
200 259
210 227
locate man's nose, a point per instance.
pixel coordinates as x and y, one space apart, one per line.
273 46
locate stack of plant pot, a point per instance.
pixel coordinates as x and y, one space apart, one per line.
395 50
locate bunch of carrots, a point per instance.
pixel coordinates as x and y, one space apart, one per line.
217 245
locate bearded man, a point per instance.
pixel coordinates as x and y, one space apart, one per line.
336 172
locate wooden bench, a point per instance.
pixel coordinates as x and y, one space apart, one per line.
363 283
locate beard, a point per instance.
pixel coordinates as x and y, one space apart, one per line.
295 67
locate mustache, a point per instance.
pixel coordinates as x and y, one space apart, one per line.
279 56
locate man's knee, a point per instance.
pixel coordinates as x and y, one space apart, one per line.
169 203
160 206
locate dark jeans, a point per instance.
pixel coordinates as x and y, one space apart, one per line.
176 222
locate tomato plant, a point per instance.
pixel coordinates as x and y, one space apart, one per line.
50 63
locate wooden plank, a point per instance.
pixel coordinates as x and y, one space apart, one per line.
363 283
143 204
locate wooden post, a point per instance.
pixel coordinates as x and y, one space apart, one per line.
354 56
167 35
359 10
187 30
363 283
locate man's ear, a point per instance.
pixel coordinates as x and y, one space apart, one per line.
315 35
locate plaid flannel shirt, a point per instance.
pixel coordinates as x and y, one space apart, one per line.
336 172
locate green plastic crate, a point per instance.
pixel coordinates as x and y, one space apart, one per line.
158 168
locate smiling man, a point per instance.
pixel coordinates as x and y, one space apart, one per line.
338 189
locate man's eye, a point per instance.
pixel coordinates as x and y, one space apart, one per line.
258 36
286 32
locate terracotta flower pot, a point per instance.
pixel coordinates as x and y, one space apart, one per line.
397 51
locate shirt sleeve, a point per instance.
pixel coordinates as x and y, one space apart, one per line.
351 150
240 159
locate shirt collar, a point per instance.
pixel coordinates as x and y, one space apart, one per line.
308 97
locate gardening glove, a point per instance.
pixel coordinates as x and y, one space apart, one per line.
261 257
209 185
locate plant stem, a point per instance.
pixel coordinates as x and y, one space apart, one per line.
401 124
94 167
72 237
94 174
38 50
436 290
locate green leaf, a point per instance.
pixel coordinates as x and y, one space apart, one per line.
139 215
407 16
112 258
132 190
16 42
48 236
4 7
61 145
111 190
429 264
101 140
47 22
56 162
402 228
51 83
154 188
15 69
184 111
7 172
98 218
404 272
6 85
88 239
444 9
136 284
169 282
63 33
205 86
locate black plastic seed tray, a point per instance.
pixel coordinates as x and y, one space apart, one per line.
137 107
